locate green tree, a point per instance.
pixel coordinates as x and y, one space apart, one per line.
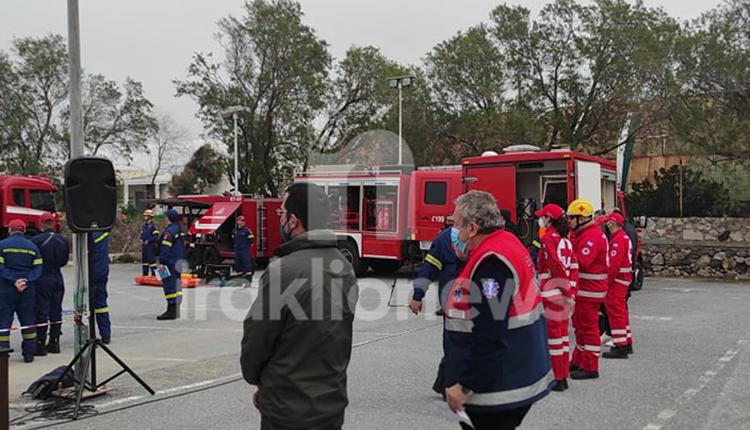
276 67
701 196
584 67
710 99
204 169
358 96
33 108
472 84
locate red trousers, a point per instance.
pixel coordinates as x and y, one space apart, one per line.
558 326
588 342
617 312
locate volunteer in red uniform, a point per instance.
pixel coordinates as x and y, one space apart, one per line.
620 277
554 264
591 250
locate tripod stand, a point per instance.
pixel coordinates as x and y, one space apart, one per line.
87 357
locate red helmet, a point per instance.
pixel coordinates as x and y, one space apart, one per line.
17 225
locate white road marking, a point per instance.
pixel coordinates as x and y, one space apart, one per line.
651 318
185 360
667 414
223 330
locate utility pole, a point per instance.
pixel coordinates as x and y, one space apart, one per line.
80 251
399 82
234 111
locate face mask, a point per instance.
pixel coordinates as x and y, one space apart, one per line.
542 223
460 246
285 237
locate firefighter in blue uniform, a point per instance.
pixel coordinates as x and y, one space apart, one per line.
440 264
172 250
149 240
243 240
98 277
50 288
20 267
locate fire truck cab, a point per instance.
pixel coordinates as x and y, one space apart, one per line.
26 198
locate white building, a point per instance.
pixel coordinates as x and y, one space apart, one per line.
138 188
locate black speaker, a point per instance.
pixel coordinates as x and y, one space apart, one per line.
90 194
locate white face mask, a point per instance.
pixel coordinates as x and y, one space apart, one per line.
542 222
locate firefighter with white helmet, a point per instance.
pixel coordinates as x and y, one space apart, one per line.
592 254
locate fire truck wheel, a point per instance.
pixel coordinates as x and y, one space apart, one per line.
210 256
637 283
385 267
193 256
349 250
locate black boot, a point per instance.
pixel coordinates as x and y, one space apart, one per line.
170 314
616 352
559 386
629 349
41 348
53 347
583 374
28 358
565 383
573 367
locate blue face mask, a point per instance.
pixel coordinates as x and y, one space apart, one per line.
285 237
460 246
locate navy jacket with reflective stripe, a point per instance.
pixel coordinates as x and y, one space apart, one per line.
441 264
55 251
172 245
505 369
99 255
19 259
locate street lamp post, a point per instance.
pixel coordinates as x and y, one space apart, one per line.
234 111
400 82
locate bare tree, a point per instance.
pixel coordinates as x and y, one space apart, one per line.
164 147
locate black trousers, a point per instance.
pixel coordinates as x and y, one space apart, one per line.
265 424
501 420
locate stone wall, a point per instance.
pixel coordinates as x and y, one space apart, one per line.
703 247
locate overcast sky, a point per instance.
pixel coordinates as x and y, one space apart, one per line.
153 40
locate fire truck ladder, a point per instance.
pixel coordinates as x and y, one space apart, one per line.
262 247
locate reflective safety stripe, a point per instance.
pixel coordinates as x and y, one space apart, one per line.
551 293
434 261
573 283
622 282
545 276
574 266
2 259
592 294
145 264
536 244
173 295
626 270
566 349
4 338
566 339
463 326
512 396
37 261
101 310
28 336
101 238
593 276
619 339
166 243
556 352
156 232
19 251
526 319
558 341
154 265
616 332
592 348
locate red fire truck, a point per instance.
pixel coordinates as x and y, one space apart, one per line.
26 198
386 216
210 221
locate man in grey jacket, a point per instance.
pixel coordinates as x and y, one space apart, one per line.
298 334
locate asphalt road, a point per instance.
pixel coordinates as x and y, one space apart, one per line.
690 370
